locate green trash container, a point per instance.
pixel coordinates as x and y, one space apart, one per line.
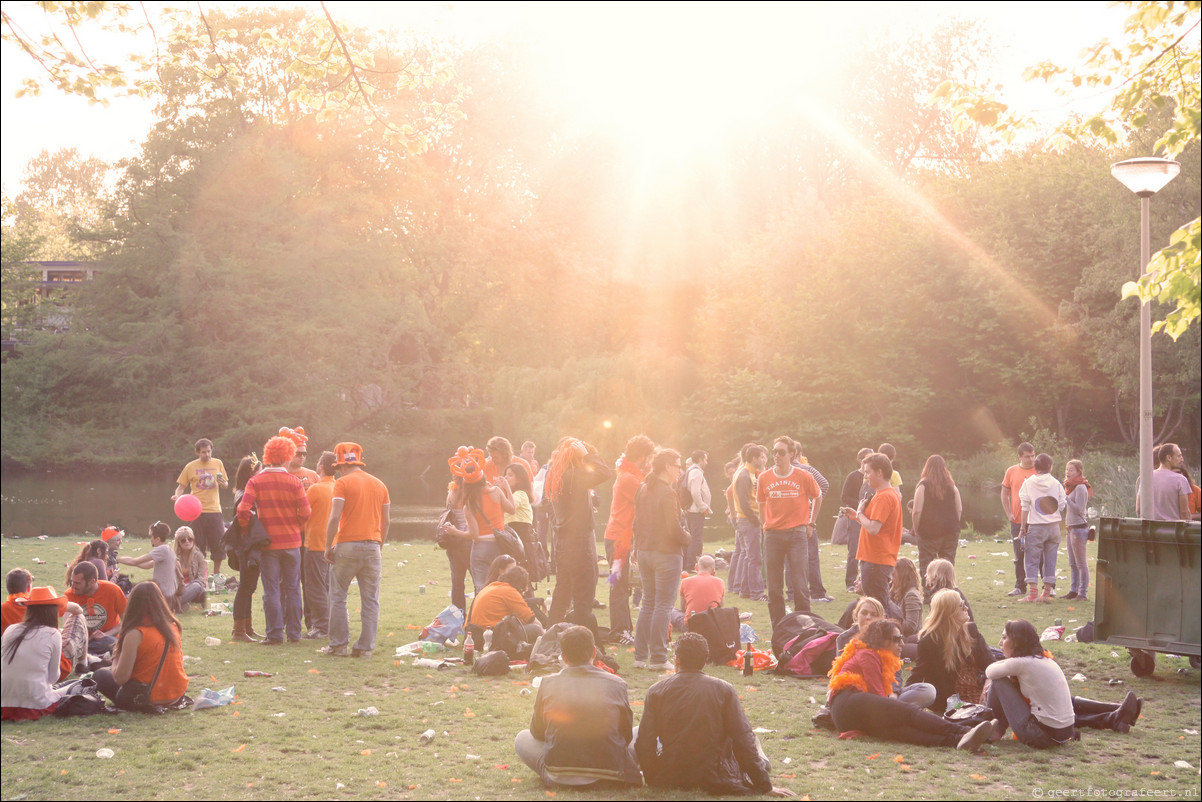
1148 594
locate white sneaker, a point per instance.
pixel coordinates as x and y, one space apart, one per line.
667 665
640 663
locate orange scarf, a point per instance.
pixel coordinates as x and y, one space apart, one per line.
890 665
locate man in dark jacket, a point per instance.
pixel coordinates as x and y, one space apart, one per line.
694 733
582 725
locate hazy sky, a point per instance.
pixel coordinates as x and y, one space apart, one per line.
607 50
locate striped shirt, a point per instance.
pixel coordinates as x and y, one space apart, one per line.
282 506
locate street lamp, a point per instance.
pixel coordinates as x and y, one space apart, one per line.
1145 177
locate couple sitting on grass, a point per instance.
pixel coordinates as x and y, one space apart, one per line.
694 733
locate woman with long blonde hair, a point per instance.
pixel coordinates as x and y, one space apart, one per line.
191 567
952 655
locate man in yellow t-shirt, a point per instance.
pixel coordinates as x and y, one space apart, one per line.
204 477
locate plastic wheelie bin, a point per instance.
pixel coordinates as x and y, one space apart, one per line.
1148 594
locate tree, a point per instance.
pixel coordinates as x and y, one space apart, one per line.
20 303
337 70
1155 66
62 199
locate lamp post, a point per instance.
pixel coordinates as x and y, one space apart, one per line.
1145 177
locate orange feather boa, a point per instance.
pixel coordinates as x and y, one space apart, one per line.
840 680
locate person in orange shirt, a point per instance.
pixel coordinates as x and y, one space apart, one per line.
150 638
75 628
1011 484
316 583
880 528
786 494
103 604
619 534
355 534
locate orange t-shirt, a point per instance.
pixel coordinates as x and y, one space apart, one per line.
321 498
103 609
882 548
786 501
11 612
493 516
1015 476
308 477
172 682
364 497
496 601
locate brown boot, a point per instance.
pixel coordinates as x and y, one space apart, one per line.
240 632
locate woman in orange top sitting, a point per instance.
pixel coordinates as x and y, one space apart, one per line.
150 635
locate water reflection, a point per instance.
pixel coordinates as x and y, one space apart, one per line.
46 503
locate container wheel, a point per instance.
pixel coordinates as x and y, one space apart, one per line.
1195 661
1142 663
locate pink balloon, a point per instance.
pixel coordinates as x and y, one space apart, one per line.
187 507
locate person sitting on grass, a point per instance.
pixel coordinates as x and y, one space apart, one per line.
952 655
581 732
148 665
95 552
160 559
501 598
191 569
862 701
32 654
1029 694
695 734
941 575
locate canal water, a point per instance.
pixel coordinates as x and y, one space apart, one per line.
55 504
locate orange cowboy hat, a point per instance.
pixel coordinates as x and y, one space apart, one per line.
46 595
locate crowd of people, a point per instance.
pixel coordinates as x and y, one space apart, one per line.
305 536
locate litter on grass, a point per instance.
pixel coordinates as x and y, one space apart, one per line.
210 698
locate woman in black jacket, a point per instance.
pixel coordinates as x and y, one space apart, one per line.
952 655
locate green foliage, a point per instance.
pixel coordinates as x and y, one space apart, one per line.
20 303
1155 68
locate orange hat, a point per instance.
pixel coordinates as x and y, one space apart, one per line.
349 454
468 464
110 532
296 435
46 595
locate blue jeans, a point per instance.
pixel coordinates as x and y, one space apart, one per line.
1078 559
355 560
786 549
1043 541
279 570
747 577
660 572
483 553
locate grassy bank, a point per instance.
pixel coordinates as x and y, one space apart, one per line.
307 742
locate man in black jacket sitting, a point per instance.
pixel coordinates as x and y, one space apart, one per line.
694 733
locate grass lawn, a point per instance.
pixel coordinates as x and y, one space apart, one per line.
296 735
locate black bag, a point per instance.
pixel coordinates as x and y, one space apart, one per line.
544 655
493 664
509 635
441 538
788 628
79 698
720 628
135 695
509 543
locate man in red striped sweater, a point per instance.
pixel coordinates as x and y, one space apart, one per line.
283 509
